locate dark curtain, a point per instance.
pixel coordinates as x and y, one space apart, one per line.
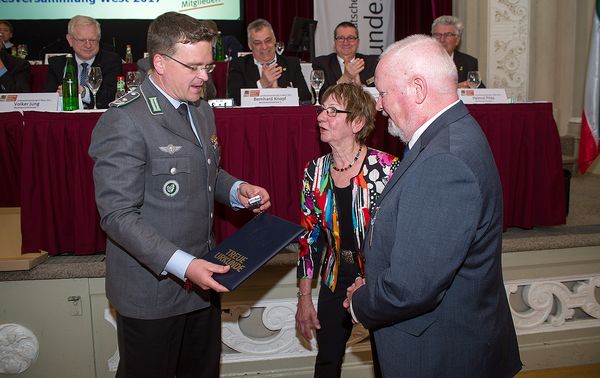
280 13
416 16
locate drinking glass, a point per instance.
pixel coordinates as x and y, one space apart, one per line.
317 78
133 80
279 47
473 79
94 81
22 51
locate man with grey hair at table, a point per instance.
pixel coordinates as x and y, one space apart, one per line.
433 292
448 31
264 68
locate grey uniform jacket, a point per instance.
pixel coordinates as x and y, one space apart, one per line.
155 190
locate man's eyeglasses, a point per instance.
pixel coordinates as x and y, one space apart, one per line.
208 67
331 111
268 42
84 41
350 38
445 35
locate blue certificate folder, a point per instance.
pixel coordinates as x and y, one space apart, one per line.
251 246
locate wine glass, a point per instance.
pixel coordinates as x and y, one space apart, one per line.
94 81
317 78
133 80
279 47
473 79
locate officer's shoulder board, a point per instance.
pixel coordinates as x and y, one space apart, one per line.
125 100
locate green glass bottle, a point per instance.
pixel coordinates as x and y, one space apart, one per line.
70 85
219 48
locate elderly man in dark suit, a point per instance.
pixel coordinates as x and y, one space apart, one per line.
264 68
15 73
448 31
346 65
433 291
157 177
84 38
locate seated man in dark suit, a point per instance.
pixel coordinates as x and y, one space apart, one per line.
84 38
264 69
15 73
448 31
345 65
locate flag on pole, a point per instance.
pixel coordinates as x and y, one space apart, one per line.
590 119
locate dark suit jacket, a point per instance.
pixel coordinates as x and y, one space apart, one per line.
108 61
243 73
331 66
17 79
464 64
434 293
137 154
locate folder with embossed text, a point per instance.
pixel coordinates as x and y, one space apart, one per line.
251 246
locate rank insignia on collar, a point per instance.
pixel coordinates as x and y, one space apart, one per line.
214 141
153 105
170 149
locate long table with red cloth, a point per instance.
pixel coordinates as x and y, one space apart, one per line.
265 146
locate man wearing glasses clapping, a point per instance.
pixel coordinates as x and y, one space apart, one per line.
346 65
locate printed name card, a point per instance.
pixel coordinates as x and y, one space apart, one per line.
483 96
45 102
256 97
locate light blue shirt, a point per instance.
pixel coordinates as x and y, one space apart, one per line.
179 262
3 70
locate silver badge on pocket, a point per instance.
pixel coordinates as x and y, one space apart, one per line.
170 188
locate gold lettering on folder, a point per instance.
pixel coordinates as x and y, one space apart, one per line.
232 258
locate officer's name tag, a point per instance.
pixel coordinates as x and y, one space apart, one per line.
483 96
44 102
254 97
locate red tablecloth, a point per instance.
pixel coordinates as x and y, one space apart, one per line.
269 147
11 140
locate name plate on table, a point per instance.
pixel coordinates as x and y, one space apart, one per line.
251 246
256 97
483 96
46 102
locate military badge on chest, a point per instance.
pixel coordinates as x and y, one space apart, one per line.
171 188
214 141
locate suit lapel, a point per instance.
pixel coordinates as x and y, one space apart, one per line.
334 64
251 71
449 116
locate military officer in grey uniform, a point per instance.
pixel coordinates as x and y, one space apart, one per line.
157 175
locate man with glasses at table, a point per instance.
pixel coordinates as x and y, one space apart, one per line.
346 65
264 68
157 176
84 38
448 31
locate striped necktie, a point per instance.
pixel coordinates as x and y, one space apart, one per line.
83 74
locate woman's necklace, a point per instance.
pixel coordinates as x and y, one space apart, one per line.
349 165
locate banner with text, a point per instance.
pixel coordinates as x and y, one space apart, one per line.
374 19
118 9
